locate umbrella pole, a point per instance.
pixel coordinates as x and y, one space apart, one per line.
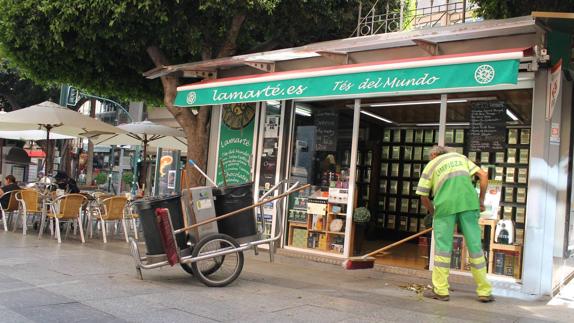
143 175
48 152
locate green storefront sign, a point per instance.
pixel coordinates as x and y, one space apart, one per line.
236 143
464 75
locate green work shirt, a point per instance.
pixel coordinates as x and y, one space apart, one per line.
448 178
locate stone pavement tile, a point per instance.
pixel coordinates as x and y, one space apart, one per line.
8 315
125 307
399 305
30 296
221 304
68 312
311 313
9 285
534 320
168 315
34 274
103 286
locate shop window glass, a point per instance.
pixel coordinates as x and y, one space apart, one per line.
321 156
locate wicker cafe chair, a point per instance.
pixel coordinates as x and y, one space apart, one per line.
113 210
67 208
29 201
12 207
94 208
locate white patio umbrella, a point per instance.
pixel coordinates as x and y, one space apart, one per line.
47 116
143 133
25 135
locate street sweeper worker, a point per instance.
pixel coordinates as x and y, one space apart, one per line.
448 179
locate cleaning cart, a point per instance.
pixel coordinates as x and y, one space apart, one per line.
205 231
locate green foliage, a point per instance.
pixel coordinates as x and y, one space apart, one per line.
101 178
498 9
18 92
100 45
128 178
361 215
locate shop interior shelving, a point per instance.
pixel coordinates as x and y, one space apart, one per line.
313 230
403 155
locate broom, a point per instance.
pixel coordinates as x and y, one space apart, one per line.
368 261
166 233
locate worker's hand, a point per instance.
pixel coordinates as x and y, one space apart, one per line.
482 208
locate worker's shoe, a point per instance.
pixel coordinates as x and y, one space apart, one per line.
432 295
486 299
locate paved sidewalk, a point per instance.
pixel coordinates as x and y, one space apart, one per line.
41 281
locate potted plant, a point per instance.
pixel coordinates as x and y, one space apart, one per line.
361 216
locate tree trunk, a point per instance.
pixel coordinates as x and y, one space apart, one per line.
66 158
195 125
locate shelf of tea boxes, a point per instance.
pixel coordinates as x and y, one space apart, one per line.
493 247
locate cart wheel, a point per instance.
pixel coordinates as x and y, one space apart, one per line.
217 262
187 268
217 271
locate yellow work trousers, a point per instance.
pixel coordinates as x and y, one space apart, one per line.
443 227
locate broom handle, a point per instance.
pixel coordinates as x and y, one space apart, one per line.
223 173
225 216
192 163
425 231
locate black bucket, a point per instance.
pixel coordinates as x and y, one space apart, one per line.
232 198
146 210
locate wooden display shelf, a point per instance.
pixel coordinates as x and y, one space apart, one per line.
500 247
298 224
506 247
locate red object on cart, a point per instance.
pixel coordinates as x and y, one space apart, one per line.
166 232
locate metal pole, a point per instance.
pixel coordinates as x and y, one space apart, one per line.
352 178
442 119
359 19
48 163
402 17
463 11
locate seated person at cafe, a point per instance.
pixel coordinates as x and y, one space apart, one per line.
9 186
66 183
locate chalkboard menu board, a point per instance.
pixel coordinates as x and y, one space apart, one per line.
327 122
487 126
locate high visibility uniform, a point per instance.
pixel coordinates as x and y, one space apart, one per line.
448 178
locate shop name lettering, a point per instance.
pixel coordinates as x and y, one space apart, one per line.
389 82
268 91
240 141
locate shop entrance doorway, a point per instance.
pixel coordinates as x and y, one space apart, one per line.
400 132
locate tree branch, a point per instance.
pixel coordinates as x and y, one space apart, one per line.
230 45
267 45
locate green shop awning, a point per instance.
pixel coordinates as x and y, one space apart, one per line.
470 70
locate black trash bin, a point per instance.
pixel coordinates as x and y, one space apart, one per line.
231 198
146 209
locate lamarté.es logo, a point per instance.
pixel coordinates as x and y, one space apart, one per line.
484 74
191 97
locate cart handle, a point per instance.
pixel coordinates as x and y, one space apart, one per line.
232 213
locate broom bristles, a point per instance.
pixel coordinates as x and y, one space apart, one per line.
359 263
166 233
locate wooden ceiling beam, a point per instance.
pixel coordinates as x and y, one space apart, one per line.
265 66
203 74
431 48
336 57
